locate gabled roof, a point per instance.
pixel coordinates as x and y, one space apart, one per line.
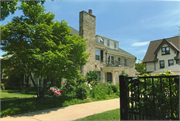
74 31
174 42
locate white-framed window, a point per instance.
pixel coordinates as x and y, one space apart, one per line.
114 44
102 41
97 52
108 43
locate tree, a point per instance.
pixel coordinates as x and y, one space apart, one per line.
42 47
7 7
140 66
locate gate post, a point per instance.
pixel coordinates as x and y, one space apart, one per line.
123 97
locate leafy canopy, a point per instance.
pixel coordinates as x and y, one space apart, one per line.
42 47
140 66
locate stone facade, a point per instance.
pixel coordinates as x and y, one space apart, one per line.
87 24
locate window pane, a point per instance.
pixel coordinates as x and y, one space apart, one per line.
97 52
161 64
167 50
102 41
125 62
97 57
114 44
108 43
171 62
119 61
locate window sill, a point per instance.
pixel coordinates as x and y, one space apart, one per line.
166 54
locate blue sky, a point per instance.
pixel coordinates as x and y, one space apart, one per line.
133 23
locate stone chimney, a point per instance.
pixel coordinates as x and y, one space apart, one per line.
87 28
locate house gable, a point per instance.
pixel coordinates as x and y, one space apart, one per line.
168 43
154 46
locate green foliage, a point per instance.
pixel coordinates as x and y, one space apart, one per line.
161 94
7 7
13 82
101 91
92 76
82 91
123 72
41 46
2 86
140 66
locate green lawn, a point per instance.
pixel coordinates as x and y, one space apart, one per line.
108 115
19 106
5 95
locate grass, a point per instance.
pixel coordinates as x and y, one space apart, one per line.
19 106
108 115
10 94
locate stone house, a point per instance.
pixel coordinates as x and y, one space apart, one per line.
163 55
106 56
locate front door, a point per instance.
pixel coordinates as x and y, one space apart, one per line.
109 77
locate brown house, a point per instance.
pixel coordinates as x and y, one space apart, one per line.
161 54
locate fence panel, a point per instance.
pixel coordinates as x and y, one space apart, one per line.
149 98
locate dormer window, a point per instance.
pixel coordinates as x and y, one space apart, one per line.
165 50
108 43
102 41
114 44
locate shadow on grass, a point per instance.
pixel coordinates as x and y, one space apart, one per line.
20 106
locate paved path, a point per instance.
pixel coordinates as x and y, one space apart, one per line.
67 113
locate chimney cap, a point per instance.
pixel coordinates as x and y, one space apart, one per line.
90 11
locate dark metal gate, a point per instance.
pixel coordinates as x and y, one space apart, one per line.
149 98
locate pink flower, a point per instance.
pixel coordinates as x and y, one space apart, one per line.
61 91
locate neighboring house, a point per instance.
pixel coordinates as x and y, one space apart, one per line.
161 54
106 56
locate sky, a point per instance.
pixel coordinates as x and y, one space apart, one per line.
134 23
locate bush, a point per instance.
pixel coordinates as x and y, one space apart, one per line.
82 91
101 91
92 76
2 86
124 73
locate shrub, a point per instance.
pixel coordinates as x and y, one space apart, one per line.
101 91
124 73
92 76
115 87
2 86
82 91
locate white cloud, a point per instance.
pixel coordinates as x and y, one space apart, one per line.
140 44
